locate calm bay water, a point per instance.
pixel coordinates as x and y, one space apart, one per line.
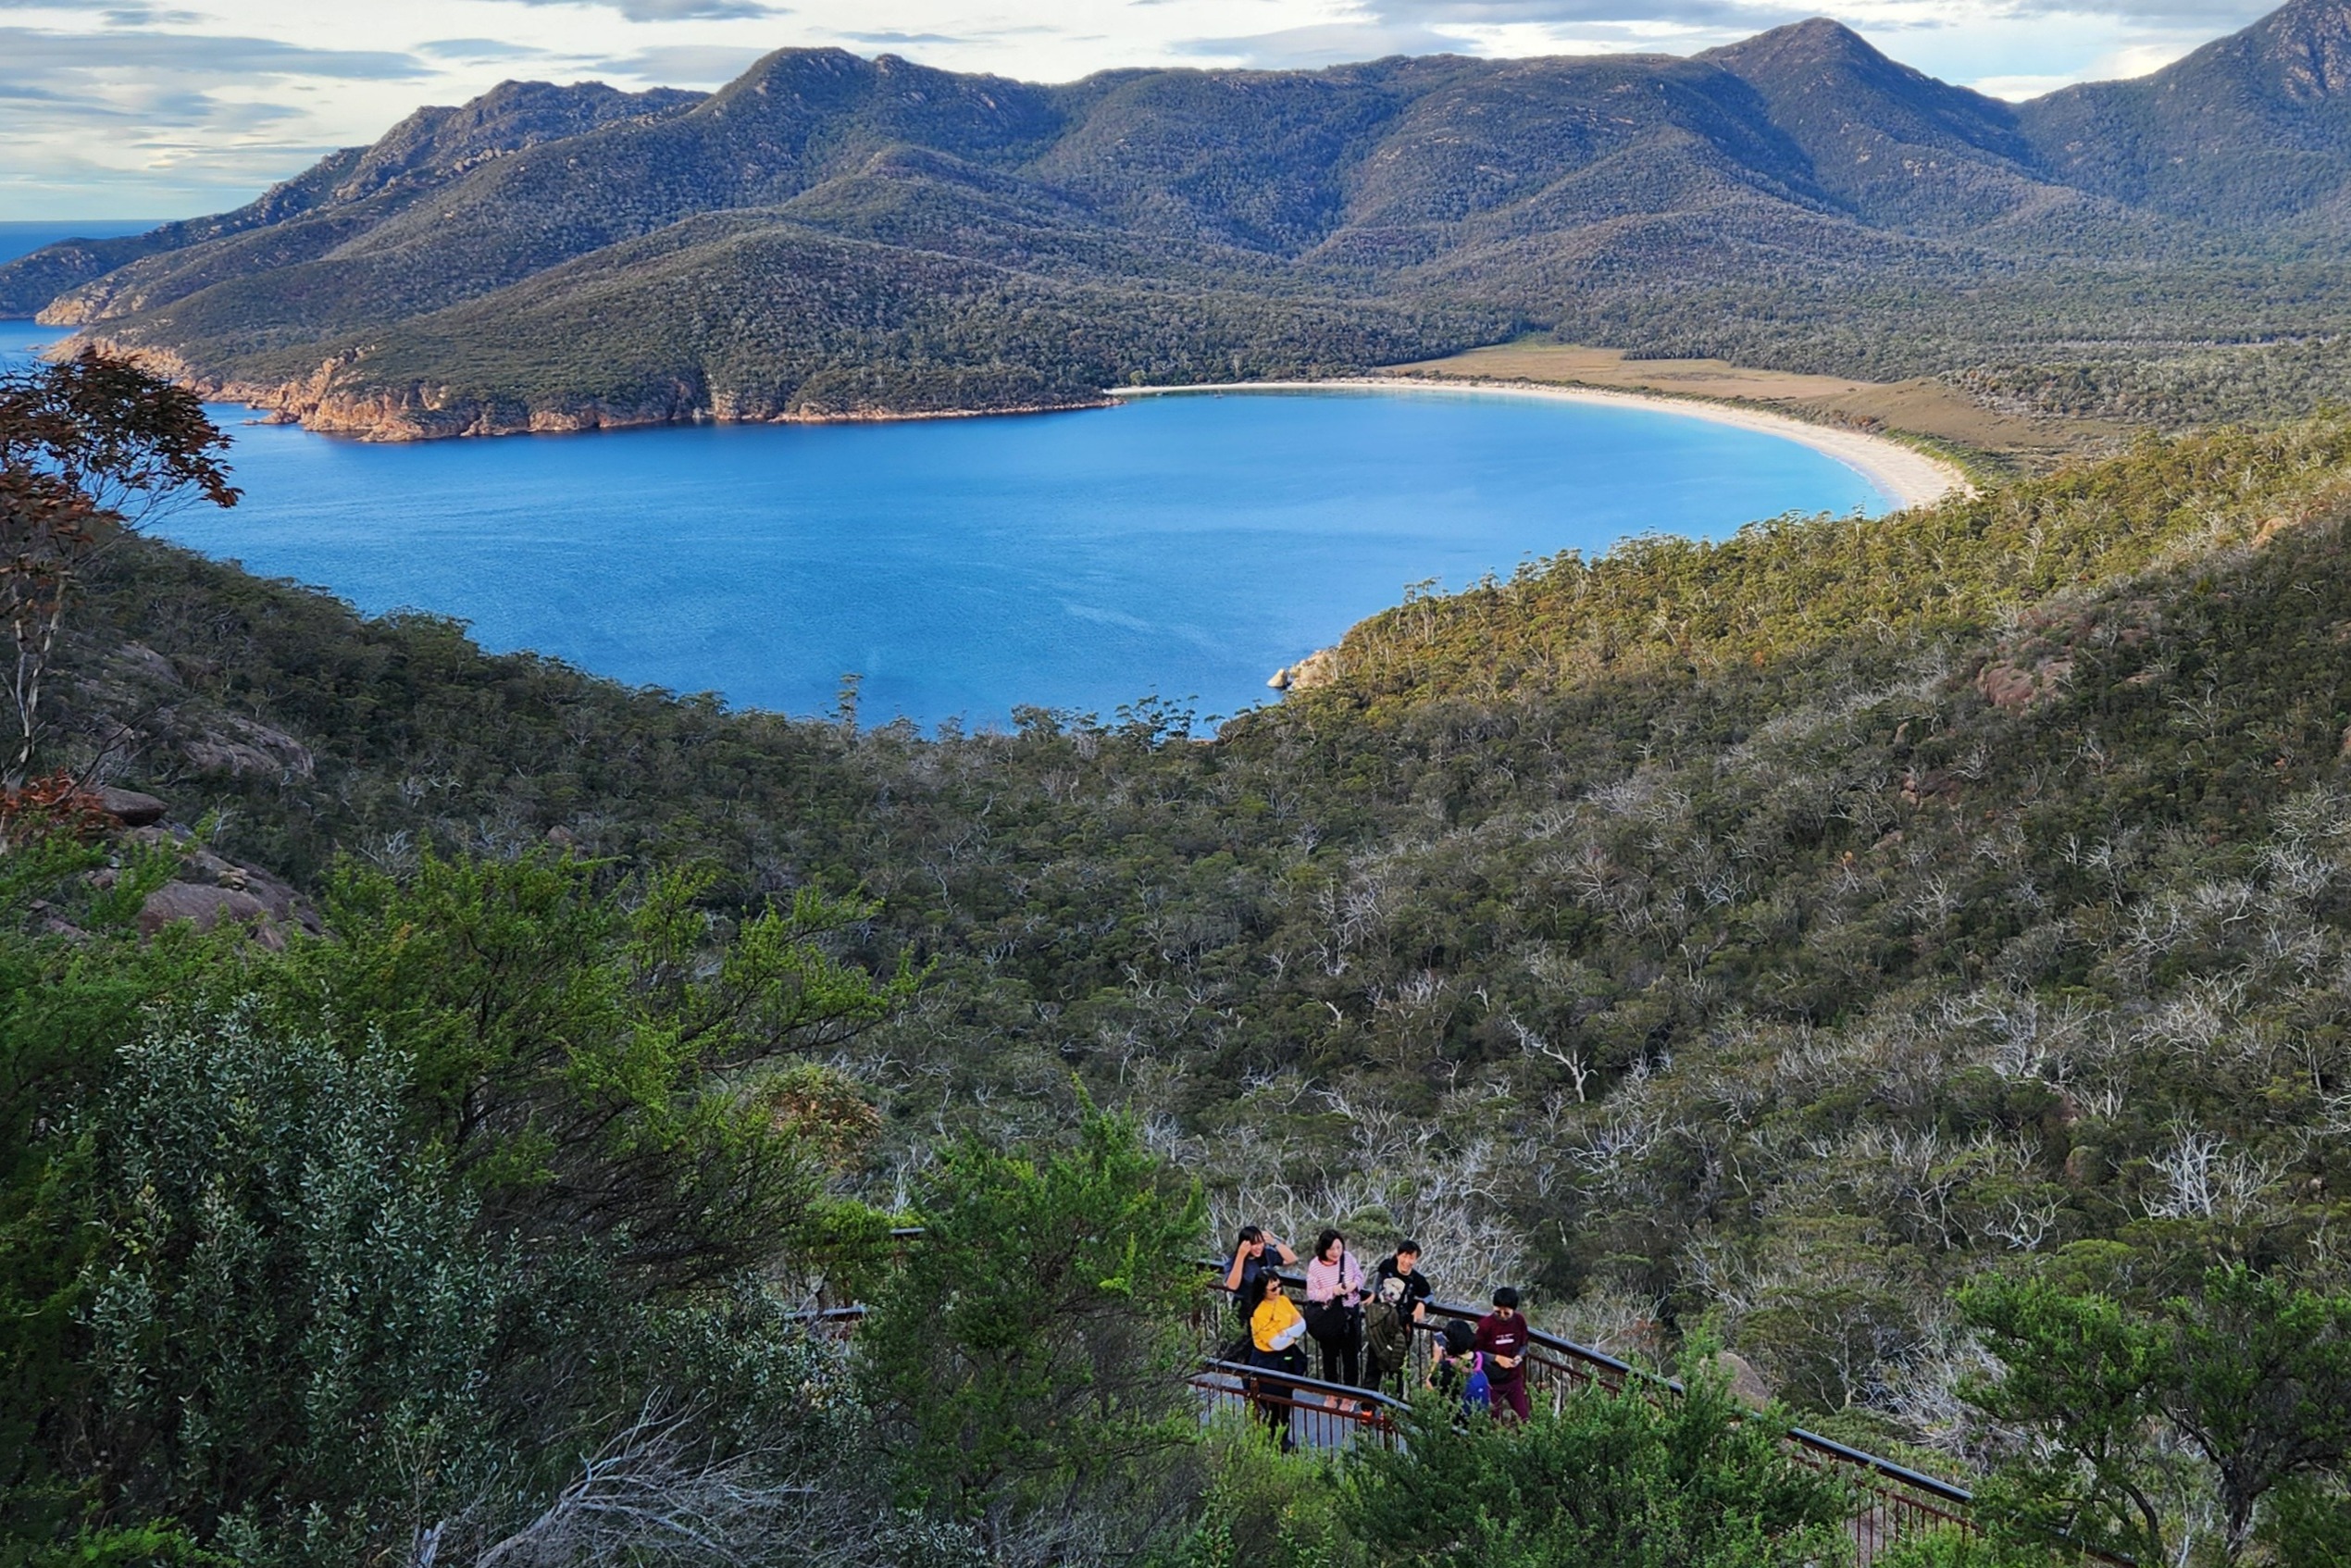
1183 546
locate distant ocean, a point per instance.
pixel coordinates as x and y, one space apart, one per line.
23 239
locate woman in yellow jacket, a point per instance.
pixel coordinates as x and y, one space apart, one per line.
1276 1330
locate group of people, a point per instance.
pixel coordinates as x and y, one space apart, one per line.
1364 1326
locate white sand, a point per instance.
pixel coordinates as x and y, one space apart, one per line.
1905 477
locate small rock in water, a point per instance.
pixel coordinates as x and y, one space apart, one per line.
1279 679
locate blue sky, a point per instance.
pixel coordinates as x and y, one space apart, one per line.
135 110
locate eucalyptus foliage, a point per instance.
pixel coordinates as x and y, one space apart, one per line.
1030 1354
1621 1478
293 1317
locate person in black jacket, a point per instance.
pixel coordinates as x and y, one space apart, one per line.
1404 1264
1388 1336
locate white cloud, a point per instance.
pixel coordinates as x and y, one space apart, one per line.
1325 43
671 10
2016 89
478 49
683 65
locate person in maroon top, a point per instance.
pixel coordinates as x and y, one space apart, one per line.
1502 1335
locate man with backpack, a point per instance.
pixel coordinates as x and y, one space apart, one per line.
1502 1337
1404 1264
1387 1335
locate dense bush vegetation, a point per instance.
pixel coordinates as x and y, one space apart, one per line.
1036 1342
1611 1479
1916 945
311 1274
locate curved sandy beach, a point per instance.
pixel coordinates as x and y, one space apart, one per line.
1905 477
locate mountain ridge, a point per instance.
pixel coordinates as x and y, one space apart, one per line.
2277 94
1797 196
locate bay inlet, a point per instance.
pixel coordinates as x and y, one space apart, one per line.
1182 547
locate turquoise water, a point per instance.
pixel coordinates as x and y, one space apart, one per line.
1183 547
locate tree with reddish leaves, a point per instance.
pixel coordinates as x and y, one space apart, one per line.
91 448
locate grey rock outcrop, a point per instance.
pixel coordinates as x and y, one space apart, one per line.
131 807
207 907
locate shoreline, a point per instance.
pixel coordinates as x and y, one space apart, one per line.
1904 476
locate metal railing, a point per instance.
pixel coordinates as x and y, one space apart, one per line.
1306 1412
1892 1501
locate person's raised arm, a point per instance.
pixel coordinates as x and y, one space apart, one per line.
1288 1257
1233 1274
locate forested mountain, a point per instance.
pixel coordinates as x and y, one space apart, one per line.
830 235
425 151
2253 130
1891 145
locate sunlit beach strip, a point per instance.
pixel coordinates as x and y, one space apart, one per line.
1905 477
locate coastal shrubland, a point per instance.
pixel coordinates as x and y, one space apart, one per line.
1884 947
1791 584
313 1274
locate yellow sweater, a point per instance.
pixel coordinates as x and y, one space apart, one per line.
1266 1323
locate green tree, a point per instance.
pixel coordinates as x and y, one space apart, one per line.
2260 1382
1621 1478
606 1063
291 1315
2083 1371
1032 1350
2307 1526
66 1005
308 1250
89 447
2251 1371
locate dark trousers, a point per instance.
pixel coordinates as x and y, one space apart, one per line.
1275 1397
1510 1395
1342 1344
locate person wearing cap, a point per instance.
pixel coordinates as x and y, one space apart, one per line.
1502 1337
1453 1362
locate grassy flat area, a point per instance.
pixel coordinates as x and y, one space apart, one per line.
1921 407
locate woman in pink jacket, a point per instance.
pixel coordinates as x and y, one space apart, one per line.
1335 1308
